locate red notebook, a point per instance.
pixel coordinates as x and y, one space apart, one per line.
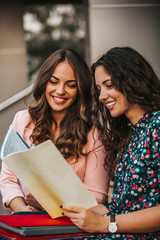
40 224
8 235
30 220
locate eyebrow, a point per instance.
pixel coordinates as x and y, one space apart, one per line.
106 81
55 77
67 80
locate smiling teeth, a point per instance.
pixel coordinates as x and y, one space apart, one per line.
59 99
110 104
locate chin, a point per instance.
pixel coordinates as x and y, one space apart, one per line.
114 114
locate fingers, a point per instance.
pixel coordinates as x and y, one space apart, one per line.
33 209
74 213
83 218
71 215
71 208
71 211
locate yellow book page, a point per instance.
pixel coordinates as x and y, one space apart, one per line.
48 176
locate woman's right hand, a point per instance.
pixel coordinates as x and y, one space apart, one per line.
87 219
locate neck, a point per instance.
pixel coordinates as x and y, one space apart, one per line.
135 114
58 116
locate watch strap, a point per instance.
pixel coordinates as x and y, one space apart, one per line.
112 227
112 218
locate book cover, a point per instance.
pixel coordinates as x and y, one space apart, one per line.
13 142
48 176
33 225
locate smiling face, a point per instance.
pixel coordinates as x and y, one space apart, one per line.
114 100
61 89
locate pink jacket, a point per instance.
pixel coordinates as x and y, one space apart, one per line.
89 169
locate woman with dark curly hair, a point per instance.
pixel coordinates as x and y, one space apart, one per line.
126 110
60 110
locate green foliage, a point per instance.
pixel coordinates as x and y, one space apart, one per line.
60 26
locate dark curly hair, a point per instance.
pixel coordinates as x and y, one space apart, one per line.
132 75
77 123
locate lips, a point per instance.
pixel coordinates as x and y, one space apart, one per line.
59 100
110 105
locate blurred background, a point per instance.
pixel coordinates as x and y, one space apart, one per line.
30 30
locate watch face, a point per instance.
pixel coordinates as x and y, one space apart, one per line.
112 227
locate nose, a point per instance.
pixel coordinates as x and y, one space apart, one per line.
60 89
103 95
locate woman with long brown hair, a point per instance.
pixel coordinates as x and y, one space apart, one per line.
60 110
126 94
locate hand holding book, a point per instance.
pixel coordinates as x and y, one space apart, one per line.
46 174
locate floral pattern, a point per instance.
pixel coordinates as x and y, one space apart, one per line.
137 175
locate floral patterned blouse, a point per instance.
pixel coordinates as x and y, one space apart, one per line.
137 176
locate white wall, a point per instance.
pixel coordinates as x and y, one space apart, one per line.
13 65
126 24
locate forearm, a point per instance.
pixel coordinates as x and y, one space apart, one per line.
147 220
142 221
92 220
10 186
17 204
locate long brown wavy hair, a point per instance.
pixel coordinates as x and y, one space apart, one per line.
77 122
132 75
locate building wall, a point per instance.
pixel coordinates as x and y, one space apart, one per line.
13 67
126 23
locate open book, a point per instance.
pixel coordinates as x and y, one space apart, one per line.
46 174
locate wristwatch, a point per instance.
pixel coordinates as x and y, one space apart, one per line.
112 226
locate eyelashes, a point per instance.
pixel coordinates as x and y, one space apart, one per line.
69 84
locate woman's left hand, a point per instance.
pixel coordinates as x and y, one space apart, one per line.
31 201
86 219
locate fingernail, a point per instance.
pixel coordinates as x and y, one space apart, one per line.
60 206
62 213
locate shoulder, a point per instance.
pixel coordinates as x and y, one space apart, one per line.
153 128
21 120
155 120
22 116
